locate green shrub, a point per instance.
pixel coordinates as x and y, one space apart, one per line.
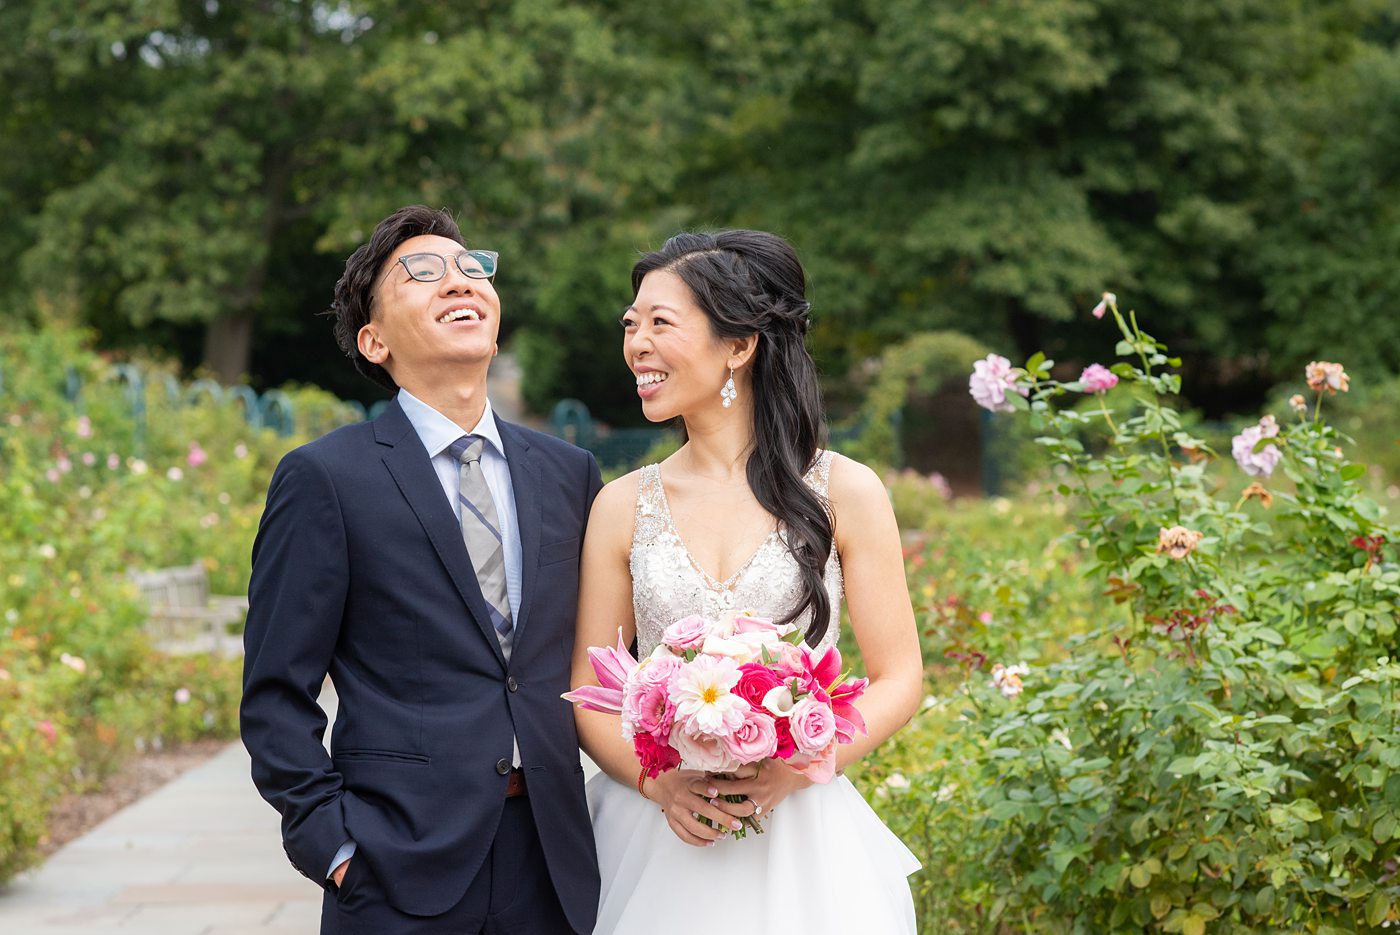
87 493
1218 749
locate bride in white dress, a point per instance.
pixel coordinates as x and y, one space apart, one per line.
749 515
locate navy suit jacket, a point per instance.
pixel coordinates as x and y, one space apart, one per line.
360 571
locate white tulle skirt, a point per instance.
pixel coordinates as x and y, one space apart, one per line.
826 865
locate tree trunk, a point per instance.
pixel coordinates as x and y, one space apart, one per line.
228 346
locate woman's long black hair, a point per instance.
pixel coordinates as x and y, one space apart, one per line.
751 282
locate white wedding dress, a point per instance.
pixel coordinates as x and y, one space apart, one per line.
826 864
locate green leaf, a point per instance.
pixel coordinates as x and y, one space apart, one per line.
1377 908
1182 766
1160 905
1353 471
1384 829
1306 809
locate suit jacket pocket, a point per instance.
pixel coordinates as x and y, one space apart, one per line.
383 756
559 551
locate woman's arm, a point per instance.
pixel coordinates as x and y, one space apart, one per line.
604 606
877 598
882 619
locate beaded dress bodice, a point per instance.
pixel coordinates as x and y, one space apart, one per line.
668 584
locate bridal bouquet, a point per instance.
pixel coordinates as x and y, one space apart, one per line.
717 695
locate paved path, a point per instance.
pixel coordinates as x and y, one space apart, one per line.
200 856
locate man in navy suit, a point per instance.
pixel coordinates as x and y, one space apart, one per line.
428 562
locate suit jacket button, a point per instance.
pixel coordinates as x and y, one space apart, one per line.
512 684
503 766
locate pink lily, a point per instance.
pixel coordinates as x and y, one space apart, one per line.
848 718
613 666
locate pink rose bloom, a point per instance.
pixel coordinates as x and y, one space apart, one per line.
991 378
687 633
1097 378
48 730
755 681
655 756
788 660
197 456
113 461
756 739
813 726
89 459
1259 463
84 427
700 751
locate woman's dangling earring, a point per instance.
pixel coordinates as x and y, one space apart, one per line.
728 394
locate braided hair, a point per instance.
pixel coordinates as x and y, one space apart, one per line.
751 282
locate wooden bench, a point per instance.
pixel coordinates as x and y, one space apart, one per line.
184 617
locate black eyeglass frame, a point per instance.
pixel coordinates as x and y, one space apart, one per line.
442 258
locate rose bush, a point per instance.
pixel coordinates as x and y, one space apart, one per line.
1206 741
88 492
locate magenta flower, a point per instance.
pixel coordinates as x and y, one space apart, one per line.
1097 378
991 378
1260 463
196 456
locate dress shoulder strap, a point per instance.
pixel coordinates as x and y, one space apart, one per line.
818 476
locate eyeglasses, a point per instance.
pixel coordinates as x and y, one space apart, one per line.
430 267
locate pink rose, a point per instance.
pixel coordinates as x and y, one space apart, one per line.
655 757
1097 378
755 739
991 378
1259 463
755 681
48 730
701 751
789 660
197 456
813 726
687 633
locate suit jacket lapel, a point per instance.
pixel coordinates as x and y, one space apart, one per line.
525 482
412 471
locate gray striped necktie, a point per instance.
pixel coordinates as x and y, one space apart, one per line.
482 531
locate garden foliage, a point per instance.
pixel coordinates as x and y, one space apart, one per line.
84 497
1214 746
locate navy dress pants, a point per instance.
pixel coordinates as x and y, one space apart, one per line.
511 895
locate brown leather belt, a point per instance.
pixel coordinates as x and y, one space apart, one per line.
515 783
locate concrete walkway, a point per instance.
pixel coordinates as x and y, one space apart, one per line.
200 856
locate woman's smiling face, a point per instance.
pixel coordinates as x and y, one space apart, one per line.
670 347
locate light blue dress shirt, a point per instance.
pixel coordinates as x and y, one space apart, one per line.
437 432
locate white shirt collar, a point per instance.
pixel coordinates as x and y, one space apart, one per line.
437 431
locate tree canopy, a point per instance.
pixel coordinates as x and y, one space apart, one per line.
194 173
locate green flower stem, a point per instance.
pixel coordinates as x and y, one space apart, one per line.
1103 407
